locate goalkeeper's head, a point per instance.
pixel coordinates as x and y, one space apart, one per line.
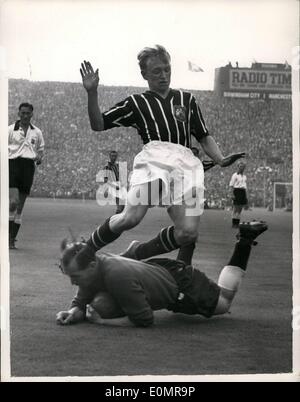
83 277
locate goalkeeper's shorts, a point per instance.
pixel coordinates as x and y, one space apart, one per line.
197 293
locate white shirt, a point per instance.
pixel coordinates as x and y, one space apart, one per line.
238 181
29 146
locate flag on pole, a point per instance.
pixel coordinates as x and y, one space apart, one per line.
194 68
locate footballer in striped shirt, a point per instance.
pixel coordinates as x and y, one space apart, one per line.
165 119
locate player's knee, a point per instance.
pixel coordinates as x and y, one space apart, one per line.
186 235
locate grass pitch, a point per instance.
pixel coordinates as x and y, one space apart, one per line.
255 338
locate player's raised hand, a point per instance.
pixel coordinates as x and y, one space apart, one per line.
229 160
90 78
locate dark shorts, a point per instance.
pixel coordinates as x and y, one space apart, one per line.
240 196
21 173
198 294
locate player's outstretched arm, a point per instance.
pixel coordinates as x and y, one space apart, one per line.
229 160
208 165
90 81
211 148
72 316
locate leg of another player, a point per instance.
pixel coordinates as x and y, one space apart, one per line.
18 218
13 206
113 227
186 227
236 215
184 232
120 206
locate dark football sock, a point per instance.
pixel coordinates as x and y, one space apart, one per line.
235 223
11 229
186 252
163 243
241 254
16 228
102 236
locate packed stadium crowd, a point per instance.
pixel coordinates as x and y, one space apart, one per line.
74 154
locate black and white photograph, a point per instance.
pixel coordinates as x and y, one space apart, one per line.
150 192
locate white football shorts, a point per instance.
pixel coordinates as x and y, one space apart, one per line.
180 172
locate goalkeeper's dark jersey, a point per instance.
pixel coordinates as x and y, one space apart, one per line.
173 119
141 287
138 288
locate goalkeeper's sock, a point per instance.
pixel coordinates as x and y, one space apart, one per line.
163 243
241 254
233 274
186 252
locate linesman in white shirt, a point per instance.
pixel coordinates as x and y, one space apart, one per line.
25 150
238 184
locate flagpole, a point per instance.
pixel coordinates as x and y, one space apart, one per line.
30 69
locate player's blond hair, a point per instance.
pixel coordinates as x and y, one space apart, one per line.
147 52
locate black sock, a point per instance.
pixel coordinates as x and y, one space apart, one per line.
241 254
186 252
163 243
102 236
235 222
11 229
16 229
